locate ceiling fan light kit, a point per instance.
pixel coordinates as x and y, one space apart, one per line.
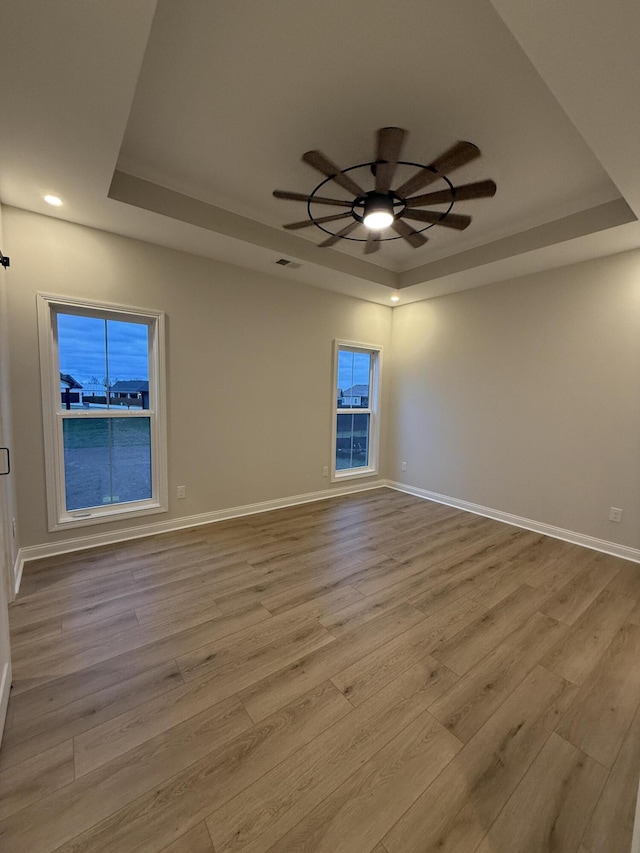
382 208
378 211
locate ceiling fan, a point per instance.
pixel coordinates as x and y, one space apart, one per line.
382 208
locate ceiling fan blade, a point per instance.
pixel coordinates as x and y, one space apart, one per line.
302 197
456 156
451 220
453 158
373 243
410 235
294 226
324 165
335 237
390 140
479 189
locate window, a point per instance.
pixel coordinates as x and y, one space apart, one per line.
356 393
102 370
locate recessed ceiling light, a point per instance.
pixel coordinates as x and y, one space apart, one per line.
395 299
53 200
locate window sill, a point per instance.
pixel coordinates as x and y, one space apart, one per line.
353 474
100 516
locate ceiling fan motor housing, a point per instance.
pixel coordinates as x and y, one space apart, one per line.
376 202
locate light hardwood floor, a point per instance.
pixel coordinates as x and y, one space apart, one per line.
369 674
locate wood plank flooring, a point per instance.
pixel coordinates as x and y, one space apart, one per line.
367 674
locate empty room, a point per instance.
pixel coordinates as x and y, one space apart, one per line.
319 426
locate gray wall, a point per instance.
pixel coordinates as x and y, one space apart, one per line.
524 396
249 365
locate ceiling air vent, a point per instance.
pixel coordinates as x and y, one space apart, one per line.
285 262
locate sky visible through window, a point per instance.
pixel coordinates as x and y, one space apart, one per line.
91 348
353 369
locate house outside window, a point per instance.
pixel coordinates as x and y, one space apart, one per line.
103 388
355 437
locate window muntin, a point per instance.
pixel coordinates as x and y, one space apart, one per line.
356 389
103 392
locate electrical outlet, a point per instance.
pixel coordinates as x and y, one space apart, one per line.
403 465
615 514
182 491
325 471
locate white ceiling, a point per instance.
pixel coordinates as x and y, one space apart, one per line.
193 112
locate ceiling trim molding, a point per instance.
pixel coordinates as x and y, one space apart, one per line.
594 219
147 195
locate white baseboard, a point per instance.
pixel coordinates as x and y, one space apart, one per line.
635 840
527 523
18 566
50 549
80 543
5 687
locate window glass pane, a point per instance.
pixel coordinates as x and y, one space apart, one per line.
106 461
345 377
103 363
352 441
354 370
128 364
82 354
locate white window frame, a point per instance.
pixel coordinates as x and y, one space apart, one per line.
373 410
59 518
